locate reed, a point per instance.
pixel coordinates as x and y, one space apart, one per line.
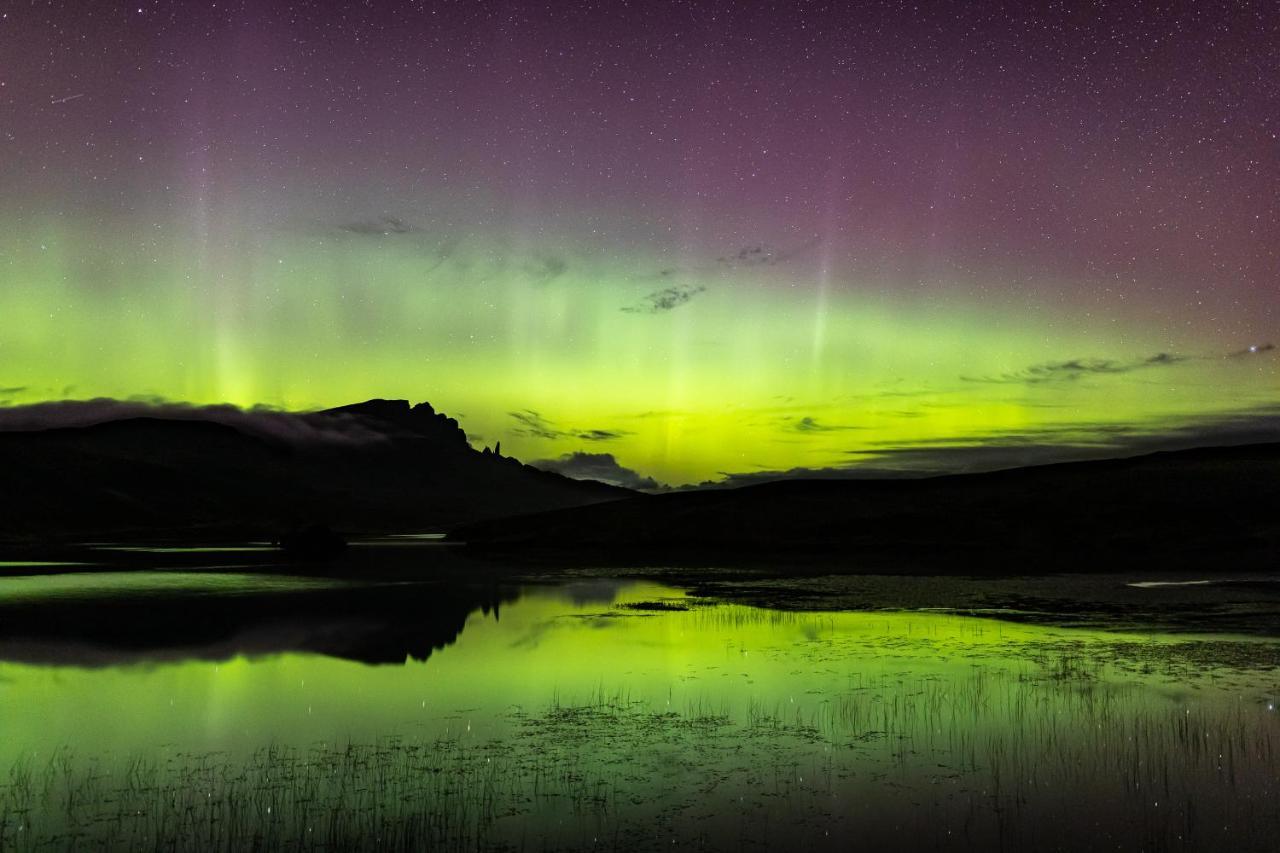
1047 753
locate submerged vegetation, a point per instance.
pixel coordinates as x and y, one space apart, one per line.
1048 753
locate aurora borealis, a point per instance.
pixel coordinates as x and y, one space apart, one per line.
703 238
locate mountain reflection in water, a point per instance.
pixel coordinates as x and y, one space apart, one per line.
117 618
554 715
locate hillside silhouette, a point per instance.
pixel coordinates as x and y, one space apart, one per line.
1206 508
381 465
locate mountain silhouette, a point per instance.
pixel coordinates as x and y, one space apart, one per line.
1206 508
381 465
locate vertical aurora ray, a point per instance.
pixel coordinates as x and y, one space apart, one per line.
790 242
730 381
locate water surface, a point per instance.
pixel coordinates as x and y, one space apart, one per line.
614 714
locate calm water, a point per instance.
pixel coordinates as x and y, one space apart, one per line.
291 713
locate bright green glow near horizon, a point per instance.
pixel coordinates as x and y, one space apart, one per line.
766 368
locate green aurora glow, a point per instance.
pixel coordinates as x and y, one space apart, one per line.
764 369
702 243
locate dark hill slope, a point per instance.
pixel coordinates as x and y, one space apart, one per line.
401 468
1189 505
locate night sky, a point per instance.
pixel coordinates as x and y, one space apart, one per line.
689 239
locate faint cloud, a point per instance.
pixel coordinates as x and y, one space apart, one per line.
1070 371
665 299
757 255
546 270
809 424
1256 349
533 425
659 413
382 226
1042 446
599 434
262 421
764 256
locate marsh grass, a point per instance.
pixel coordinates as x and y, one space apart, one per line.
660 606
1045 755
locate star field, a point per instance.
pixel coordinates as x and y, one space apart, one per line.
704 238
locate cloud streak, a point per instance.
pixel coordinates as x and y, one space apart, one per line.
1015 449
661 301
546 270
812 425
296 428
763 256
1256 349
382 226
747 257
1078 368
533 425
